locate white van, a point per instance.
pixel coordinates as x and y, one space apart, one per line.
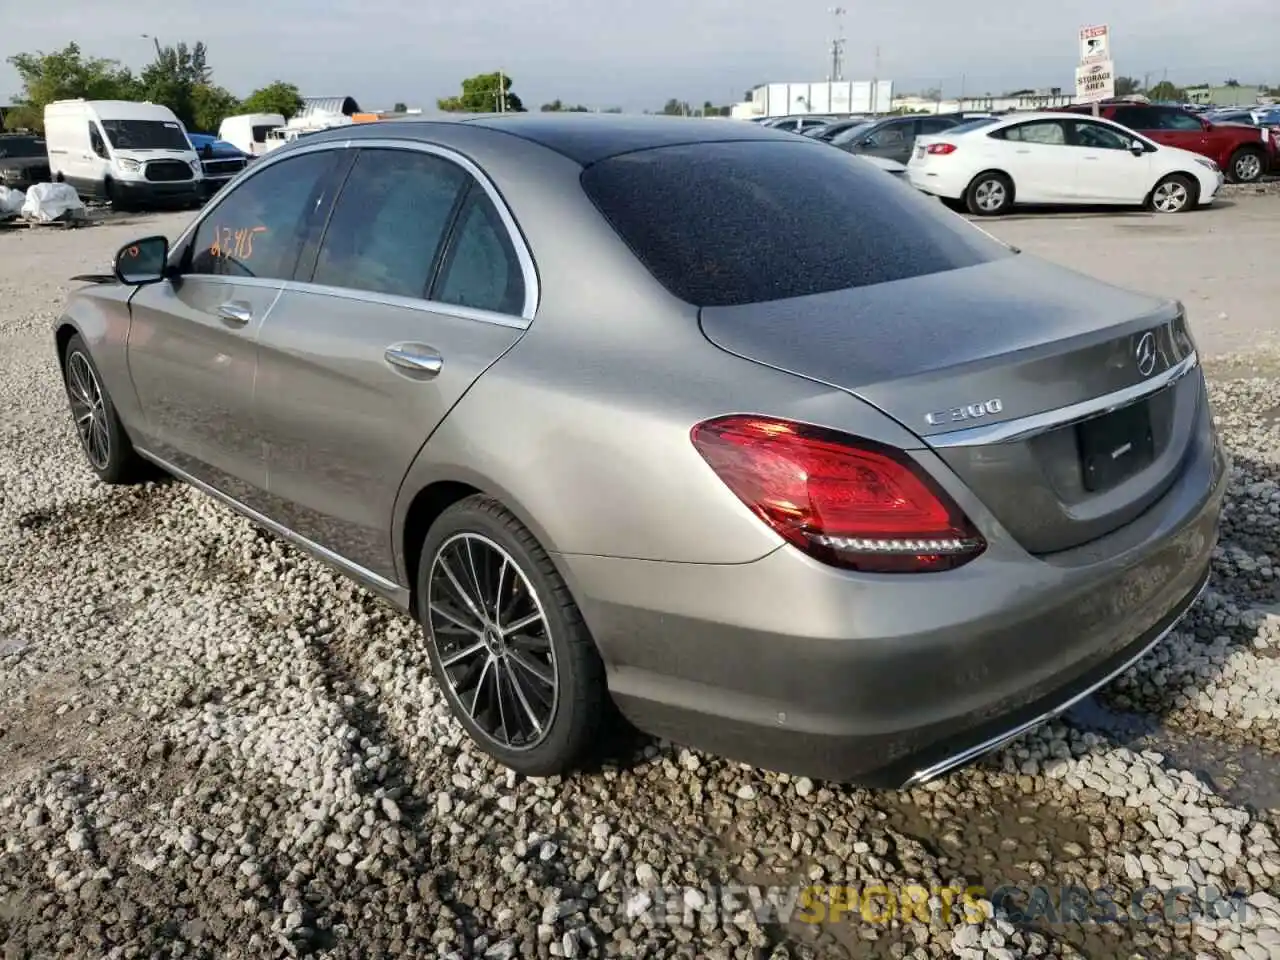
248 131
132 154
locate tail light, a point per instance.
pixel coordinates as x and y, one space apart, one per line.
843 500
941 149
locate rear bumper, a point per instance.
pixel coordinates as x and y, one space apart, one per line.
793 666
934 182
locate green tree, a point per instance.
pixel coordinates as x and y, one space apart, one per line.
612 110
676 108
63 75
278 97
210 105
400 107
558 106
1164 90
483 93
172 79
1127 86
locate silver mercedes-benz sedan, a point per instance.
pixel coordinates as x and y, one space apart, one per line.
697 419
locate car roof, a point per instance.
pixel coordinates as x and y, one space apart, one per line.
585 138
1021 116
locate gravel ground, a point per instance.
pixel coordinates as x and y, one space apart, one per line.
212 746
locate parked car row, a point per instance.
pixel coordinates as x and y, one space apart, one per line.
1245 152
991 164
126 153
1132 153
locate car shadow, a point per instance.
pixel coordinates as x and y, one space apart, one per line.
1104 211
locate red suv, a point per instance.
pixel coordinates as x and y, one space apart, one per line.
1243 152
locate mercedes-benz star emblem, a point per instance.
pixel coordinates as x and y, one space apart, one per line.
1145 354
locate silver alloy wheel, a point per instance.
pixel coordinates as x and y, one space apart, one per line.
88 409
1170 196
990 195
493 640
1248 167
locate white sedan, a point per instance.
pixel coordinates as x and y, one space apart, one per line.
1058 158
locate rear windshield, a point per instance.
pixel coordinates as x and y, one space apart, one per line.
145 135
849 134
724 224
260 132
22 147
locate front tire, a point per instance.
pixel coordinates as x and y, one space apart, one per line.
507 643
989 195
1247 165
1174 194
102 436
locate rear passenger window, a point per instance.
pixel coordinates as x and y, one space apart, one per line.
481 269
259 228
389 221
935 125
1135 118
1047 132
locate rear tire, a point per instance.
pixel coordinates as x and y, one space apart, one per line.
989 195
533 698
1247 165
102 436
1176 193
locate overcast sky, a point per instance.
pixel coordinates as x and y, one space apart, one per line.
638 54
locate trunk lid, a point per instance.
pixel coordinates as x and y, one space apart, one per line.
994 367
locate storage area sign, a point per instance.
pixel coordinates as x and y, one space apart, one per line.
1095 44
1095 81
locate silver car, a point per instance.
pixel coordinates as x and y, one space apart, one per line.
700 420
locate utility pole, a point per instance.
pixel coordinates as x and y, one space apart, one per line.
837 44
875 85
502 92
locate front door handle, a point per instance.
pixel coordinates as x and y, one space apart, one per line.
419 360
236 313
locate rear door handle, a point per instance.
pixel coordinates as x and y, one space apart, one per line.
236 313
416 359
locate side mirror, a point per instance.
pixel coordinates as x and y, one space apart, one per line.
1137 148
142 261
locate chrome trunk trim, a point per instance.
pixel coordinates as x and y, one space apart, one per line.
1037 423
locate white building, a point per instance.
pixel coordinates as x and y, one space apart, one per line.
1033 100
823 96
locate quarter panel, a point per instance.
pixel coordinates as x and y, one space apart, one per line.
594 446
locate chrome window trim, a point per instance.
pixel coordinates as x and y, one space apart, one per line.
1024 428
528 269
410 303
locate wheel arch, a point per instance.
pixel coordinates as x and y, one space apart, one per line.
1256 149
62 337
1191 180
426 494
997 171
